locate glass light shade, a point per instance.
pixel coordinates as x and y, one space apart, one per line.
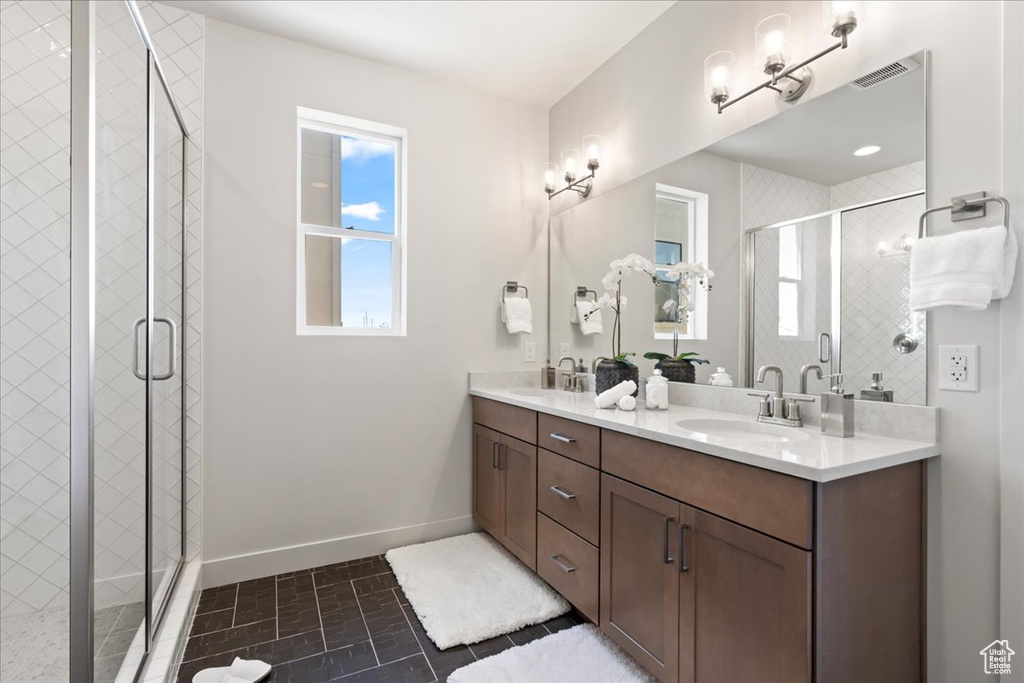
718 76
592 150
570 164
770 40
550 177
840 16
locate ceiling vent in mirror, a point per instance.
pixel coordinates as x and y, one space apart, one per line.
886 73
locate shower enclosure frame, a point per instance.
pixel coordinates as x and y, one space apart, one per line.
83 337
835 217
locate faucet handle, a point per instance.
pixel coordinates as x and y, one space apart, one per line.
764 408
793 408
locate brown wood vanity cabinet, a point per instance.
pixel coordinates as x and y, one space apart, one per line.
704 569
505 476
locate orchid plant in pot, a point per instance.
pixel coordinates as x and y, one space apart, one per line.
619 368
680 367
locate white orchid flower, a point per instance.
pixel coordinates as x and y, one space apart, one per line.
668 305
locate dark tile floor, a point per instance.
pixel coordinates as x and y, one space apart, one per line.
347 621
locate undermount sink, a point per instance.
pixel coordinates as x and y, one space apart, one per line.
532 392
732 430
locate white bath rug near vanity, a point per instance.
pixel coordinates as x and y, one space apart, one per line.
468 588
576 655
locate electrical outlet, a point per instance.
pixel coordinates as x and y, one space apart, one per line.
530 352
958 368
563 349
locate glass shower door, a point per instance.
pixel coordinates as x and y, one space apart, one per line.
168 306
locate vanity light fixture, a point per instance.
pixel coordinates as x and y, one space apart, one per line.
772 49
569 170
866 151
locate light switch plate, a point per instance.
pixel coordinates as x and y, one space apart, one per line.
958 368
530 352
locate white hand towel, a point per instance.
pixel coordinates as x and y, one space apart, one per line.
517 315
592 324
627 402
611 397
966 269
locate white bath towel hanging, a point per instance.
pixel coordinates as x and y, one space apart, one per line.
517 314
967 269
589 315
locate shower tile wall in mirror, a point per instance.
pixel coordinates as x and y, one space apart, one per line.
800 231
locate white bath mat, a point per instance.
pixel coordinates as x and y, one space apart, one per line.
576 655
468 588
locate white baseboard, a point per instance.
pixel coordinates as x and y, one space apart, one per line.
224 570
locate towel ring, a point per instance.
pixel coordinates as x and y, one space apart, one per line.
512 287
580 293
961 204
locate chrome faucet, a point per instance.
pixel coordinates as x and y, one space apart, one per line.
804 371
778 411
572 381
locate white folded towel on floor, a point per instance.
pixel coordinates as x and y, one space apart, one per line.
240 671
610 398
967 269
517 314
589 325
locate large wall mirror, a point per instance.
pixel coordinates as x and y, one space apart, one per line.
807 220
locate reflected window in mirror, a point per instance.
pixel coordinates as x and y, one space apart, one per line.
789 281
680 235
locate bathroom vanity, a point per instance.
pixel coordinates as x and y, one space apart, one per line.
775 555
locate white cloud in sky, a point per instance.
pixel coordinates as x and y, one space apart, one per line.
370 211
360 150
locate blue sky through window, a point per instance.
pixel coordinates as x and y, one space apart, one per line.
367 203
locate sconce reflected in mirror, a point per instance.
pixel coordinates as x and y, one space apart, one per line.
569 168
771 46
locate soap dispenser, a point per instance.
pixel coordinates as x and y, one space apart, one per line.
877 392
657 391
837 409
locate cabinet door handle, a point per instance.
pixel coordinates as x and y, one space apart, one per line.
561 437
683 567
668 524
494 455
563 493
501 453
562 565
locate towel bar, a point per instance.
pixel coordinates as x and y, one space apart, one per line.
965 203
512 287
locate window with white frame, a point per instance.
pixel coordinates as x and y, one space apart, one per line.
351 233
789 281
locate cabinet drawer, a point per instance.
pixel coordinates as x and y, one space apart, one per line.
775 504
569 564
507 419
574 440
570 494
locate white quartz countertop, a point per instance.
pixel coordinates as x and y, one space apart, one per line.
817 457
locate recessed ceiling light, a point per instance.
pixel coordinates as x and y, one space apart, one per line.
320 185
866 151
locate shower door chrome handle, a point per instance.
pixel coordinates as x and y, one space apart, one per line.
135 349
172 352
824 347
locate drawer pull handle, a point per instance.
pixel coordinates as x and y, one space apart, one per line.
563 493
567 568
683 567
560 437
668 523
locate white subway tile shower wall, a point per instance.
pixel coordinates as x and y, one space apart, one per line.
34 190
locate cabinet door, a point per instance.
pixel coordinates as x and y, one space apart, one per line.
517 461
639 579
744 604
486 480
